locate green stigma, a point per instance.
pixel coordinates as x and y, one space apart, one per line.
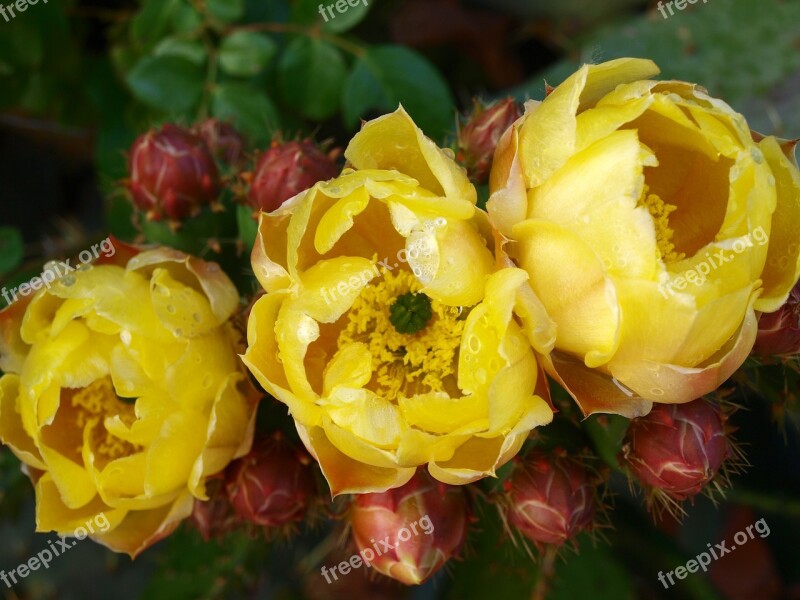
411 312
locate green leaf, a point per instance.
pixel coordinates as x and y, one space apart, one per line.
186 19
311 74
12 249
334 15
191 50
607 433
226 11
593 573
248 226
246 53
249 109
169 83
390 75
153 21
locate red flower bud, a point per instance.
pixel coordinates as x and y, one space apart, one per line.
172 173
478 139
779 332
551 498
410 532
225 142
213 517
677 448
287 169
272 485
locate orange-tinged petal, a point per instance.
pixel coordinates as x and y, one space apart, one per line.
783 258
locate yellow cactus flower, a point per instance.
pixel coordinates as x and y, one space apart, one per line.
653 226
387 328
123 392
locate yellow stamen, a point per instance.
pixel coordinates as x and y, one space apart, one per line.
403 364
96 402
660 212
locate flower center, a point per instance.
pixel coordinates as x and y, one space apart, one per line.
93 404
406 359
660 212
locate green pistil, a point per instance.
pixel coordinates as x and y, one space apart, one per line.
411 312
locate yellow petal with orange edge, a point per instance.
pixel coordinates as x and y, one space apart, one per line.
474 459
664 326
508 201
141 529
12 433
593 390
674 384
53 515
346 475
783 258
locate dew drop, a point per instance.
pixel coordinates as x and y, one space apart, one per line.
474 344
67 280
196 317
170 309
657 392
440 222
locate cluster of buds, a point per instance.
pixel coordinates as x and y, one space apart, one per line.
779 332
410 532
272 486
478 137
550 498
285 170
677 449
172 174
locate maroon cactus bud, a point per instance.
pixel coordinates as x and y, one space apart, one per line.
478 138
285 170
551 498
410 532
225 142
172 173
214 517
677 448
273 485
779 332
